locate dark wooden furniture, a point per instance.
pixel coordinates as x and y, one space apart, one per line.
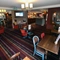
15 56
48 44
26 58
54 31
31 20
37 29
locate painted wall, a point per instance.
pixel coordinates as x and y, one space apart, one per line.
20 19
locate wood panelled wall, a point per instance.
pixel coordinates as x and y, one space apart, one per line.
49 20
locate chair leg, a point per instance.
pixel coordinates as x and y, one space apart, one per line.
34 53
25 37
29 37
43 57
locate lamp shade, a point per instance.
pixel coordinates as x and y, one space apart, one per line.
31 5
26 5
22 6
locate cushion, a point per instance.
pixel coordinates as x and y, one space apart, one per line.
16 26
1 30
23 31
42 35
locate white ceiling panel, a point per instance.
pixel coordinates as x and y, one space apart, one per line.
36 3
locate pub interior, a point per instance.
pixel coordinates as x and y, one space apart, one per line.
43 23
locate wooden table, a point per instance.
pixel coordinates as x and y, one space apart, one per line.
54 31
48 44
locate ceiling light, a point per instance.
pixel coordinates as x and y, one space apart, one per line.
26 5
2 10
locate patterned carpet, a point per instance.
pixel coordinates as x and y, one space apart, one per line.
2 56
13 42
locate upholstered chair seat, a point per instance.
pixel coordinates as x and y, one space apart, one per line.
15 26
1 29
23 33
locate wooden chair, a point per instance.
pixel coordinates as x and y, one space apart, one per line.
14 56
26 58
38 51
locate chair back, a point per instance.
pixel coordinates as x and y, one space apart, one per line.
35 41
15 27
42 35
15 56
38 51
24 33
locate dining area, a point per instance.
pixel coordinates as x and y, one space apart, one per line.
46 45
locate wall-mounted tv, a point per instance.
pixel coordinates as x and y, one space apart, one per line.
19 14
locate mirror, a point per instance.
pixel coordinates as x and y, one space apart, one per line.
56 19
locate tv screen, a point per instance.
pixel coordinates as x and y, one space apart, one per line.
19 14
